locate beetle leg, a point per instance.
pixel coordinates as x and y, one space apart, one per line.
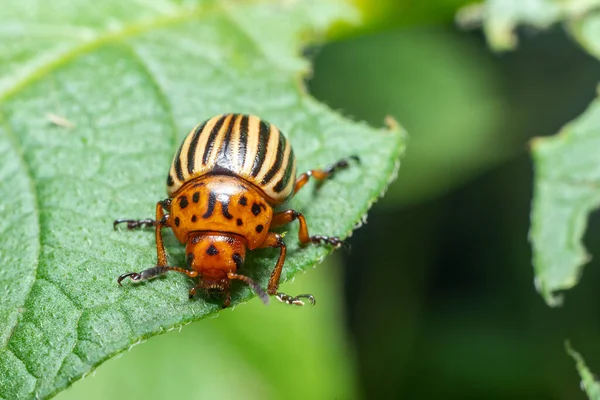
154 272
284 298
321 174
142 223
257 289
287 216
163 220
275 240
161 255
134 223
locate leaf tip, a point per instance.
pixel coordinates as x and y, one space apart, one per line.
549 296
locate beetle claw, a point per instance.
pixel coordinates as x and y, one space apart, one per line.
133 275
295 300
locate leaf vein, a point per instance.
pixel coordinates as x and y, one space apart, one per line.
33 190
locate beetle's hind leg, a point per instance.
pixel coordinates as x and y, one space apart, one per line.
287 216
322 174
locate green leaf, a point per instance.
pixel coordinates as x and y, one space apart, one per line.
132 78
567 189
500 18
589 384
268 352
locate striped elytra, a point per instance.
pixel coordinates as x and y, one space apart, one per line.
238 145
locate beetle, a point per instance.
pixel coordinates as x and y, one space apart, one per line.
224 182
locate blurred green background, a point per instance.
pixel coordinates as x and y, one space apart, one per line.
436 298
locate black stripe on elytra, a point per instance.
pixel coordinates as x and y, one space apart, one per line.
212 200
278 161
264 132
225 208
224 151
282 184
243 139
211 139
170 181
191 158
177 162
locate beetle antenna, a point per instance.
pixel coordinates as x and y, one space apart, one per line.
257 289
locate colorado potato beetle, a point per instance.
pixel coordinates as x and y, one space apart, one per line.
225 179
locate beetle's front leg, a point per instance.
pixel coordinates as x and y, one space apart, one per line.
154 272
162 220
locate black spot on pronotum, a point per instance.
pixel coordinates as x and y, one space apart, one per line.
255 209
243 201
212 250
194 218
225 209
196 197
238 260
190 259
177 222
239 222
183 202
259 228
212 200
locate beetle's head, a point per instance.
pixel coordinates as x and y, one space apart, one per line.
217 257
214 281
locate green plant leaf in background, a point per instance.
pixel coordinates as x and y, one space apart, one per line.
463 140
588 382
567 166
133 78
501 17
567 189
567 169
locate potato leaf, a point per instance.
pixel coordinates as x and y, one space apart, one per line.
94 99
